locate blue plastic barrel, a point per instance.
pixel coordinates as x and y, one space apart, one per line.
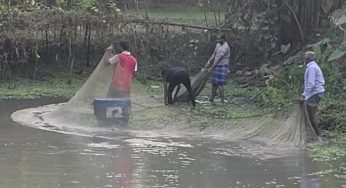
112 111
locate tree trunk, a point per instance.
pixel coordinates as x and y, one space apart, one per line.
70 3
50 3
308 15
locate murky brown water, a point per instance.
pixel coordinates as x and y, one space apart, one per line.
36 158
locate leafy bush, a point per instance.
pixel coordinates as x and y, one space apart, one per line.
92 6
282 91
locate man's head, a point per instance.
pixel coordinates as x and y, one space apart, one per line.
310 56
124 45
221 38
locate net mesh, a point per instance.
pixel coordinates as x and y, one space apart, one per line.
198 83
78 111
289 127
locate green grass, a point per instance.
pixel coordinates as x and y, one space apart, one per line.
235 90
58 86
55 87
176 15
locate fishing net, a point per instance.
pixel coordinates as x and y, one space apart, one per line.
78 111
198 83
287 128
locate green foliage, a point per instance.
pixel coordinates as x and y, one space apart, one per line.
328 51
235 90
322 47
335 83
5 12
273 97
86 6
331 48
4 8
61 4
339 52
331 151
332 113
284 90
96 7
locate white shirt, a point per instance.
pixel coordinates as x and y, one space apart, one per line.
313 80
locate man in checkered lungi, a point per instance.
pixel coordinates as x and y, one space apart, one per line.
219 67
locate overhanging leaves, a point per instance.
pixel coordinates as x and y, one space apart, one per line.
338 53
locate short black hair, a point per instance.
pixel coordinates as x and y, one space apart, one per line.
222 36
125 45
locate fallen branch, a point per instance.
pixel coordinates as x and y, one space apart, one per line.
144 21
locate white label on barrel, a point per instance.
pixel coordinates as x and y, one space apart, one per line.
114 112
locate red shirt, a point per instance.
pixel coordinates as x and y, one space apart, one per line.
124 66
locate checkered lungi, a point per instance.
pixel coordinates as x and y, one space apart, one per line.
219 75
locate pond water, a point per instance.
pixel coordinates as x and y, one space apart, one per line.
37 158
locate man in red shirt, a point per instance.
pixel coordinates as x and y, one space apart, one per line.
124 66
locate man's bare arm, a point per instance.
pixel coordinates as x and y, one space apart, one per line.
108 55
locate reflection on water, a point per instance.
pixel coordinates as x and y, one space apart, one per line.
37 158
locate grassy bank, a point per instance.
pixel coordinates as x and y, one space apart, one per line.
57 86
184 16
